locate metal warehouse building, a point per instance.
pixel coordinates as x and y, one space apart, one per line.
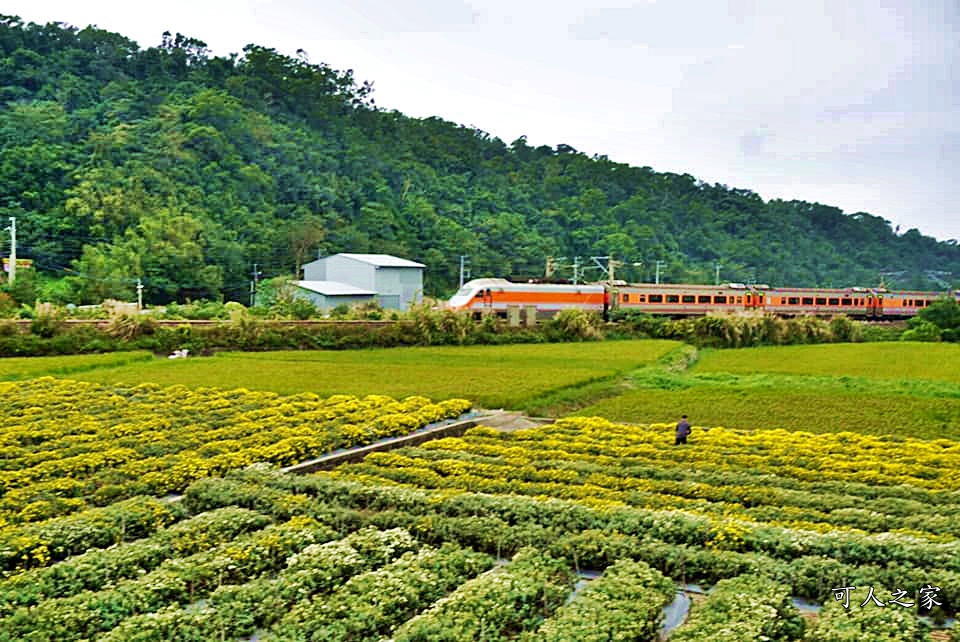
396 283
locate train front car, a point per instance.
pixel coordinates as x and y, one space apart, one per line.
497 296
470 297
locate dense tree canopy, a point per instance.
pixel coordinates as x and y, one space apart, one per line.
181 169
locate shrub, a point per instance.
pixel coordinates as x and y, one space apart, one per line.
576 325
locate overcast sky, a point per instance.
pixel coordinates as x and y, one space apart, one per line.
852 103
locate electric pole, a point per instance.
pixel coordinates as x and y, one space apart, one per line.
576 269
13 248
717 267
253 286
139 294
656 279
464 268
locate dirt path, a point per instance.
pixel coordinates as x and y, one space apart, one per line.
509 420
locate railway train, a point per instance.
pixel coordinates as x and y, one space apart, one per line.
497 296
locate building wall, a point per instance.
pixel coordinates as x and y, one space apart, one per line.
315 271
356 273
399 287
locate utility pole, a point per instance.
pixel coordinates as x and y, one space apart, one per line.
656 279
253 286
464 268
13 248
139 294
717 266
576 269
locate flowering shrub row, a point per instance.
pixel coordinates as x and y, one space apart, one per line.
496 605
372 604
835 623
743 608
40 544
88 614
625 603
234 611
99 567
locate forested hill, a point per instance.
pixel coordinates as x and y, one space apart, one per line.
184 169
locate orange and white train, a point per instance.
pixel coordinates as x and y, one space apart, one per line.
499 295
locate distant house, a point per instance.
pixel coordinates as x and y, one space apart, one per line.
397 283
329 294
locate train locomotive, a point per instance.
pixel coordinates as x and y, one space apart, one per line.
497 296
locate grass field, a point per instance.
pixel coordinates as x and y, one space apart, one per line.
14 368
910 389
930 361
492 376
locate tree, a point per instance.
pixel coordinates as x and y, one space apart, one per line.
305 235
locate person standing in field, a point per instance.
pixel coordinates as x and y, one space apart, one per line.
683 430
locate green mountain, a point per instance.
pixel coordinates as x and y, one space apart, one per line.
185 169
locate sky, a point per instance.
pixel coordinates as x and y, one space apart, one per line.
852 104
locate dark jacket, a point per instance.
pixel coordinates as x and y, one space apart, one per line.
683 428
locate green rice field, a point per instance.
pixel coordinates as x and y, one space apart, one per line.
491 376
929 361
909 389
12 368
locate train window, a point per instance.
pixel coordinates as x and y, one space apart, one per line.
703 298
834 301
479 295
794 300
909 302
808 300
720 299
739 299
921 303
821 300
689 298
626 298
656 298
641 298
846 301
673 298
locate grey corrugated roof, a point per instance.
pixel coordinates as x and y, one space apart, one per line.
383 260
332 288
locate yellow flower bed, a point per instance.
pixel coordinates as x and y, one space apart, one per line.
740 480
65 442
